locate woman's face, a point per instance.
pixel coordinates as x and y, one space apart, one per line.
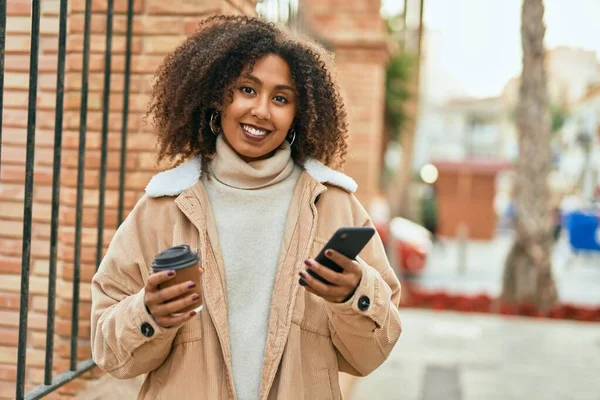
258 119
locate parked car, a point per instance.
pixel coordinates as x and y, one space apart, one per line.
410 242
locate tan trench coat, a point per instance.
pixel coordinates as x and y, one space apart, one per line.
309 340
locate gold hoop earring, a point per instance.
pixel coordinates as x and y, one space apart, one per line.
213 116
293 131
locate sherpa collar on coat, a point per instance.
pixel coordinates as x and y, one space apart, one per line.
174 181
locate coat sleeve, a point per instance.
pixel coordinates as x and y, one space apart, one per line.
365 328
125 339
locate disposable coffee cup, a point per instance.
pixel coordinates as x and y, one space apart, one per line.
185 263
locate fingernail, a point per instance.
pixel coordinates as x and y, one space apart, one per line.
171 273
302 274
308 263
196 297
191 285
302 283
192 313
328 253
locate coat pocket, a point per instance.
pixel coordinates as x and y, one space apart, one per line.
190 331
310 311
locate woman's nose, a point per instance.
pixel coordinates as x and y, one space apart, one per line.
261 109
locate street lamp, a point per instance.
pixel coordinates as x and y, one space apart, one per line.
429 173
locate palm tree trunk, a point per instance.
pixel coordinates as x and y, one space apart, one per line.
527 271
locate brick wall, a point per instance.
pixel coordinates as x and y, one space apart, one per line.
357 34
158 27
353 27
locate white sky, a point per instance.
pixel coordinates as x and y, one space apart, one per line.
479 40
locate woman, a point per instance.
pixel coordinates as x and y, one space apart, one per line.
254 120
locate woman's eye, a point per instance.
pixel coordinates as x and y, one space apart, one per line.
247 90
280 99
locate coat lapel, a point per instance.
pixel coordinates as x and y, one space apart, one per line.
195 205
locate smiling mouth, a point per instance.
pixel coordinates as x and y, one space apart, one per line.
254 131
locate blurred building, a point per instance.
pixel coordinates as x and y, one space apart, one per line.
580 144
466 131
571 71
462 128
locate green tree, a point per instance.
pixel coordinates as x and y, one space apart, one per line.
397 91
396 95
399 186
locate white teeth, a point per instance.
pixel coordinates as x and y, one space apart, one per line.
253 131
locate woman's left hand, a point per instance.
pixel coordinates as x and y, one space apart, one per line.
343 284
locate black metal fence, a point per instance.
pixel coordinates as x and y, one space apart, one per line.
75 369
285 11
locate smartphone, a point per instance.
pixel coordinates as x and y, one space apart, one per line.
349 241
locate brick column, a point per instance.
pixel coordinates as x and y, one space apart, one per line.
357 34
158 27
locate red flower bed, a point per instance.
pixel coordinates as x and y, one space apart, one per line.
415 296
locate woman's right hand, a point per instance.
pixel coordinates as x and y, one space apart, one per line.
159 302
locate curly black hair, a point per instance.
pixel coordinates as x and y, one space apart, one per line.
197 77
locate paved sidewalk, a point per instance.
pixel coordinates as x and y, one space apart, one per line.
453 356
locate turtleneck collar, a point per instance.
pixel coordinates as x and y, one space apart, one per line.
229 169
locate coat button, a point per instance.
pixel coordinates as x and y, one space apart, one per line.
147 329
363 303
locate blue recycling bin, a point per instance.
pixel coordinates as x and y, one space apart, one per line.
584 230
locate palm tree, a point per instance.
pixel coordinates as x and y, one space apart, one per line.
397 93
398 190
527 271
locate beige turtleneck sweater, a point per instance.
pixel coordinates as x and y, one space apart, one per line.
250 202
